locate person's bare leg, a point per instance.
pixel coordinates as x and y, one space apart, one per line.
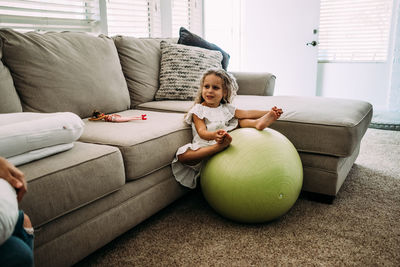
28 225
192 157
27 222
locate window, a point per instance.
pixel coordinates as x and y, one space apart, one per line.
48 15
354 30
139 18
188 14
196 17
180 15
142 18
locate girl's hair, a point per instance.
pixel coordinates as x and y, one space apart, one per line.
229 85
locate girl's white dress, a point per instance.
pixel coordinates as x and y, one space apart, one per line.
221 117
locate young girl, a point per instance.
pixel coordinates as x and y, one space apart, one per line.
211 118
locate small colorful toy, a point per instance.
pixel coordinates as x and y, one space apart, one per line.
97 115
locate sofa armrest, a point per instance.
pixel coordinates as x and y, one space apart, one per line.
255 83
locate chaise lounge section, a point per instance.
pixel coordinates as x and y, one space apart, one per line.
118 174
325 131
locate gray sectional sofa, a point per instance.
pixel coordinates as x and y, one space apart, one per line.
118 174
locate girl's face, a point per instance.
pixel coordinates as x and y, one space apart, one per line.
212 91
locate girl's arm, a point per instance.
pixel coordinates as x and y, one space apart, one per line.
249 114
202 129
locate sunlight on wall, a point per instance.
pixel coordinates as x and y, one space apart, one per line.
222 26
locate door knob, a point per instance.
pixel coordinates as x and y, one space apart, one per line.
313 43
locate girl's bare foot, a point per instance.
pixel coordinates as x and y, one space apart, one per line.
268 118
278 111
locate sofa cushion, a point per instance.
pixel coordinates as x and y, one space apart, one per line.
67 181
329 126
188 38
9 99
146 146
67 71
140 61
182 68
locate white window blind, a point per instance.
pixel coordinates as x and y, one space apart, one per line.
188 14
49 15
196 17
142 18
180 16
139 18
155 18
354 30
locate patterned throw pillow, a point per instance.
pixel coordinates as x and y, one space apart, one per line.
182 68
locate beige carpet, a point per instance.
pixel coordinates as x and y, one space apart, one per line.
361 228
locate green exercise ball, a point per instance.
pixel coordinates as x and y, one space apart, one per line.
256 179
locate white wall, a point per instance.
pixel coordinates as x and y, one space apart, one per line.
365 81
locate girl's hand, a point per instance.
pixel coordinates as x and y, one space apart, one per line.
220 136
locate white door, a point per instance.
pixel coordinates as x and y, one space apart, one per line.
275 38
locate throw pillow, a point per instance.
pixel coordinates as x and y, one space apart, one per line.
188 38
182 68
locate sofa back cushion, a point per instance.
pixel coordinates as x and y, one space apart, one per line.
9 100
140 61
68 71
